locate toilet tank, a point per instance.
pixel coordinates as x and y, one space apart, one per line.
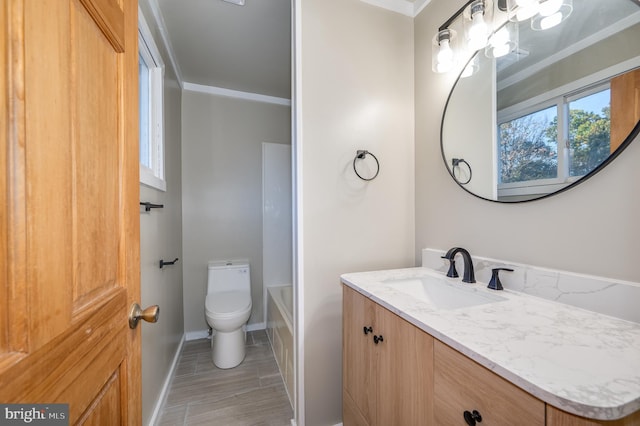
228 276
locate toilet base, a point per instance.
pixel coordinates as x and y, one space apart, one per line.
228 348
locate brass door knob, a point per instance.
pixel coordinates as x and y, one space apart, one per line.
136 313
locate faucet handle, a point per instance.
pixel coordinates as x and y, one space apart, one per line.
495 283
451 273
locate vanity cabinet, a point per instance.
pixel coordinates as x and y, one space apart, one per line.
395 374
387 366
460 384
557 417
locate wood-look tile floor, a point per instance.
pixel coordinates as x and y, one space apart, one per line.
250 394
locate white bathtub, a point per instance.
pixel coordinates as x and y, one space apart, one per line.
280 331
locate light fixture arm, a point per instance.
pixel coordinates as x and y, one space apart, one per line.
502 5
454 16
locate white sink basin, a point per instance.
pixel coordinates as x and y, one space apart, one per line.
441 294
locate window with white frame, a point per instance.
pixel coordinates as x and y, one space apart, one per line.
545 146
151 75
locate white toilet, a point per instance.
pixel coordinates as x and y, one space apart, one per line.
227 308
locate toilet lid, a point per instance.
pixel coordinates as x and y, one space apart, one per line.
227 302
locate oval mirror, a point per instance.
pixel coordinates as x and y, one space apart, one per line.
553 112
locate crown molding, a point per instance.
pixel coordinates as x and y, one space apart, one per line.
166 41
419 5
221 91
404 7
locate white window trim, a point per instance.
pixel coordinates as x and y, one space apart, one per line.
154 176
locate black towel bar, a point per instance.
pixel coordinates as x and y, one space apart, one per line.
148 206
163 262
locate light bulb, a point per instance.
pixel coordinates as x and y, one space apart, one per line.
550 7
550 21
445 56
499 44
478 31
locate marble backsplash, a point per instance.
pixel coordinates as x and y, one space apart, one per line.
620 299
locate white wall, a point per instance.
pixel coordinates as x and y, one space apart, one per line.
161 238
222 190
591 229
355 82
277 255
470 132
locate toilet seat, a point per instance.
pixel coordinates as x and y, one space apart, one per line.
227 304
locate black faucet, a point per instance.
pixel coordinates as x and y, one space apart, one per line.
468 276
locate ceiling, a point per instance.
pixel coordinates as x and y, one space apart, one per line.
589 22
244 48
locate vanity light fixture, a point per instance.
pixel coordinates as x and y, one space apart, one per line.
477 30
492 26
443 57
552 13
503 41
475 20
521 10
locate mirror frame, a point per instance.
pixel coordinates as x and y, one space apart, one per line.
630 138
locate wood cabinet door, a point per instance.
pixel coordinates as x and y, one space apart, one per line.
69 240
461 384
358 355
405 372
556 417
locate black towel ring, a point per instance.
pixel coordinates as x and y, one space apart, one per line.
360 155
456 163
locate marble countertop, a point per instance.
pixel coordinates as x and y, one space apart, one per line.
580 361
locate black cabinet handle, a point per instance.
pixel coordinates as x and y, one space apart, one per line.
367 330
378 339
472 417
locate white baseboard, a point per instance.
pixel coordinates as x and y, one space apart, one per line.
257 326
203 334
195 335
157 410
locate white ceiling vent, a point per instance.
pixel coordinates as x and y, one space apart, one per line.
238 2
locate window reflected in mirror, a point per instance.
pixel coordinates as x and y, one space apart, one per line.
552 112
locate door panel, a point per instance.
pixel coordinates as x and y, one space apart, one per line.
109 398
69 242
95 136
359 379
405 364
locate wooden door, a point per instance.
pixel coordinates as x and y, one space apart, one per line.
358 358
405 372
625 106
69 242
